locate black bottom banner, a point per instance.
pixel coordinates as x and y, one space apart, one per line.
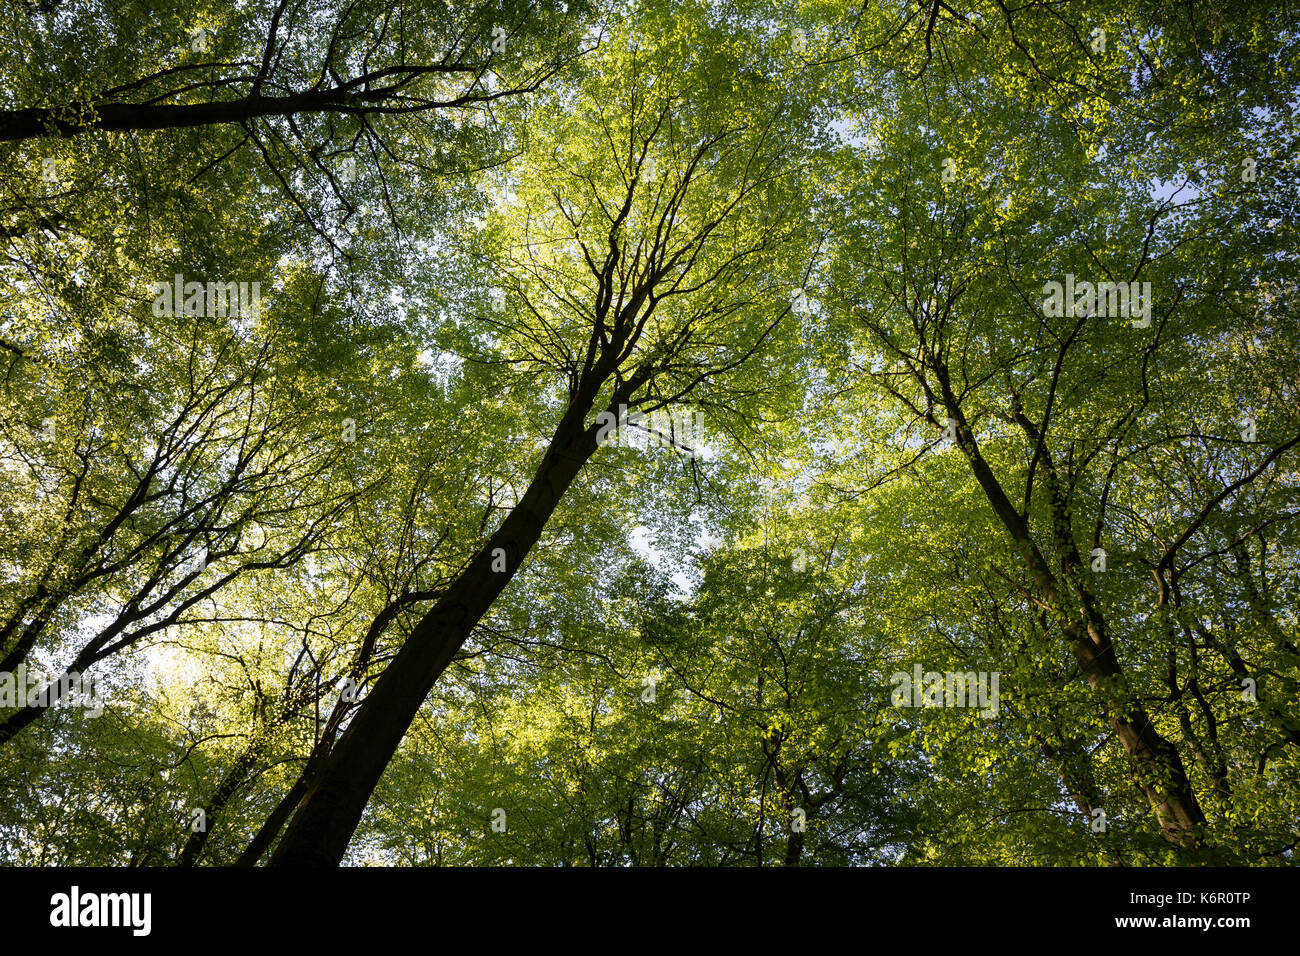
232 907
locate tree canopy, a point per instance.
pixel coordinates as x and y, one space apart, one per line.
643 433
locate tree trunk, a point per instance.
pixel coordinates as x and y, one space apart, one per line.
1159 767
319 833
38 121
229 786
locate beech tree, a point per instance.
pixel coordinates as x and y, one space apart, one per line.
635 284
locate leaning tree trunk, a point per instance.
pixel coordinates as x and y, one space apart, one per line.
1157 763
319 833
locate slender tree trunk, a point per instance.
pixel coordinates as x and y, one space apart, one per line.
1160 770
229 786
275 822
